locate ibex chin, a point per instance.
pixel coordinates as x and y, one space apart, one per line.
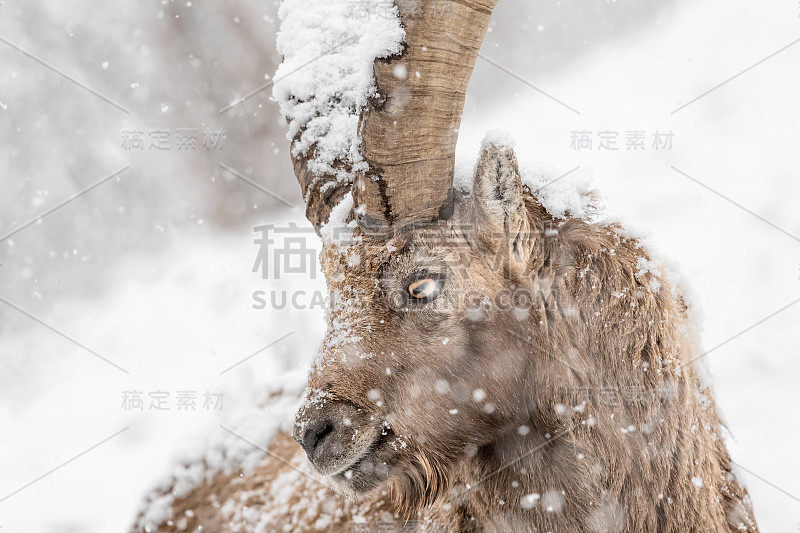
488 366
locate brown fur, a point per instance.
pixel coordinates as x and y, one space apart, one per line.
477 407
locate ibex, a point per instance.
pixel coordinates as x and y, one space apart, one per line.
488 366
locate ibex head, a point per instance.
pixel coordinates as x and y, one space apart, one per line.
425 355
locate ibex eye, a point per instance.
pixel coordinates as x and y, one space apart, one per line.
425 287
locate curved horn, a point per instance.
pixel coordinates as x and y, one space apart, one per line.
409 133
321 192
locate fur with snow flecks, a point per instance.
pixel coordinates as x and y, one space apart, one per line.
579 411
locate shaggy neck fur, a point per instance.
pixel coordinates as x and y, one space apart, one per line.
614 432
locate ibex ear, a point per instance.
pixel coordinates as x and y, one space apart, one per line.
502 222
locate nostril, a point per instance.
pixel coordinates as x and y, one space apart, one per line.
322 434
315 434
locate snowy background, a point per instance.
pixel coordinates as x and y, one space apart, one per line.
144 282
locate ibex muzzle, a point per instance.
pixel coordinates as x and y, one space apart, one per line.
338 439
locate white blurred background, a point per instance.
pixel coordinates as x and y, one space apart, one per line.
144 282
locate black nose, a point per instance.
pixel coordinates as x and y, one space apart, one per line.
315 434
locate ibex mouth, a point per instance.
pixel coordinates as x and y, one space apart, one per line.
370 468
343 441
